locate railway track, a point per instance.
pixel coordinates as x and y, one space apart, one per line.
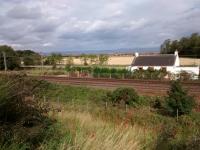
144 87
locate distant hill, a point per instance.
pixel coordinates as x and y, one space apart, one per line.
116 51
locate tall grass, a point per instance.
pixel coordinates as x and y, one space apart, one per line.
88 132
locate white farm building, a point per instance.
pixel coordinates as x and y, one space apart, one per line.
170 62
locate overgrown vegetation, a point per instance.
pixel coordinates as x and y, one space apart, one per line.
23 120
170 133
85 118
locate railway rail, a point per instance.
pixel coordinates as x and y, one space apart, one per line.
144 87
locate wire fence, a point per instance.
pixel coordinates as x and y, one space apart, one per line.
58 104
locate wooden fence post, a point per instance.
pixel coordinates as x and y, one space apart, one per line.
73 103
126 108
33 97
87 107
92 74
44 99
106 105
123 76
177 114
68 74
58 100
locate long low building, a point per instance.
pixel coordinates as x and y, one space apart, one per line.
169 62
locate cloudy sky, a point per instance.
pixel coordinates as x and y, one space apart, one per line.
69 25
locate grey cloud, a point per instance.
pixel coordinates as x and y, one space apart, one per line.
99 24
45 27
12 34
23 12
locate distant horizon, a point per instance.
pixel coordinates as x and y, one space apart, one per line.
111 51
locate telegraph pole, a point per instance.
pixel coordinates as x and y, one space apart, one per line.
5 63
42 62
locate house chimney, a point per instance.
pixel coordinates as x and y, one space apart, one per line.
136 54
176 53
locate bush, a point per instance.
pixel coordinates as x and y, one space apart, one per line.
157 103
185 76
149 74
124 96
173 138
168 134
19 112
178 99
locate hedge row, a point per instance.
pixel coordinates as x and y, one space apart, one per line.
98 72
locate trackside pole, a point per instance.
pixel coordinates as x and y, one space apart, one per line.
5 62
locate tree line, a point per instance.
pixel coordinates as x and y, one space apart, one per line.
86 60
15 59
186 46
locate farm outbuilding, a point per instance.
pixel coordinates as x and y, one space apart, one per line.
169 62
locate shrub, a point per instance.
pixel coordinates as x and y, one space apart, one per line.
172 137
124 96
157 103
185 76
19 112
168 134
178 99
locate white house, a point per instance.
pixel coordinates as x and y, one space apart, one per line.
170 62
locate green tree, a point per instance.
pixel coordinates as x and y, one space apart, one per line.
93 59
12 59
103 59
84 59
53 60
165 47
178 100
29 57
70 61
187 46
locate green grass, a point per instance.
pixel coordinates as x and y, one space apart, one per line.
68 94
